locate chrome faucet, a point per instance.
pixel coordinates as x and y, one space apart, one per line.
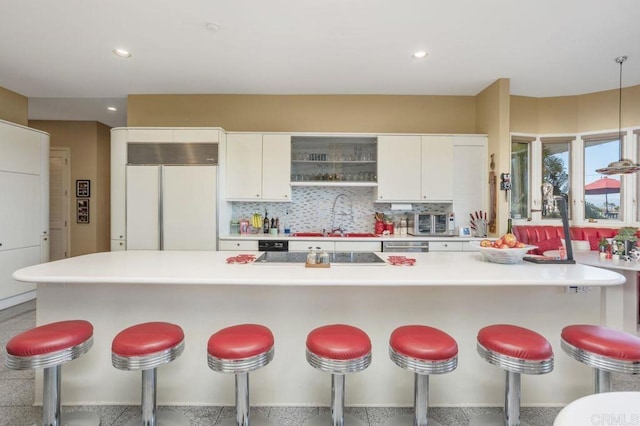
340 228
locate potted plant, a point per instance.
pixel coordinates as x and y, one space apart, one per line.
603 245
627 237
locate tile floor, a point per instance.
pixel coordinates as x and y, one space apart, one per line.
17 396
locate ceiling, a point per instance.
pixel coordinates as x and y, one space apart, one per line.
59 53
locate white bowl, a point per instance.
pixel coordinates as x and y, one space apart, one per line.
505 256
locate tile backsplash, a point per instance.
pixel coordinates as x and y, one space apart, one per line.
312 209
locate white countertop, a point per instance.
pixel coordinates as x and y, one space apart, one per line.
211 268
592 258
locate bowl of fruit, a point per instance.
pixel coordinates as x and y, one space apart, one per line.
506 249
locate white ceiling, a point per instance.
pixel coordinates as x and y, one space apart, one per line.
63 49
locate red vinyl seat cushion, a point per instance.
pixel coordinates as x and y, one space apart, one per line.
338 342
424 343
240 341
516 342
50 338
146 339
603 341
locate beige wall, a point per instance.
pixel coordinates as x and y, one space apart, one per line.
13 107
492 105
307 113
575 114
88 142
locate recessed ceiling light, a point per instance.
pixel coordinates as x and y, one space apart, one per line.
212 27
122 53
114 109
420 54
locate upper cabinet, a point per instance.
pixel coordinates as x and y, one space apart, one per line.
399 164
258 167
436 168
415 168
333 161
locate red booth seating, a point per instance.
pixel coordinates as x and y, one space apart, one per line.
548 237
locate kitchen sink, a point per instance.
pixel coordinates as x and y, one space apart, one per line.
345 235
346 257
354 235
308 234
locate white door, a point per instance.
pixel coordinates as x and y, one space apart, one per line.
143 198
189 207
59 203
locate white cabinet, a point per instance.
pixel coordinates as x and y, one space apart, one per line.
399 166
118 245
118 184
361 246
445 246
258 167
238 245
436 168
276 167
415 168
24 209
471 177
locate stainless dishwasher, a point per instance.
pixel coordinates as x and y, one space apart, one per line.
405 246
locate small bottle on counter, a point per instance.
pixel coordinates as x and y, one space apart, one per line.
286 226
265 223
324 257
311 257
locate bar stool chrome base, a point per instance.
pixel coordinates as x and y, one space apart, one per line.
325 420
256 420
407 420
162 419
496 419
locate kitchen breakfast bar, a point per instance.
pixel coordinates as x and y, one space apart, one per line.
456 292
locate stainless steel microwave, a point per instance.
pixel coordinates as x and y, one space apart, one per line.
429 224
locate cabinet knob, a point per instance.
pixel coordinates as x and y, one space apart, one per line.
121 236
257 195
45 239
121 244
446 245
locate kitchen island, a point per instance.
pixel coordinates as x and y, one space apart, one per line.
200 291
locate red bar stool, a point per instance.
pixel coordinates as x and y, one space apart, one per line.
241 349
606 350
338 349
146 347
425 351
518 351
48 347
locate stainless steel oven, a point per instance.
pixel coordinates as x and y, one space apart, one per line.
429 224
405 246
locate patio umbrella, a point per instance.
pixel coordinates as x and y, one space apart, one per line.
604 186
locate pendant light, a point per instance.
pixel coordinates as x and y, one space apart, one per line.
622 167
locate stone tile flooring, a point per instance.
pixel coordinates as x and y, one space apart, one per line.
17 397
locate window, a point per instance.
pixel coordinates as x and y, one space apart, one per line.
555 175
520 176
601 193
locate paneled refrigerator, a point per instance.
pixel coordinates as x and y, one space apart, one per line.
171 206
